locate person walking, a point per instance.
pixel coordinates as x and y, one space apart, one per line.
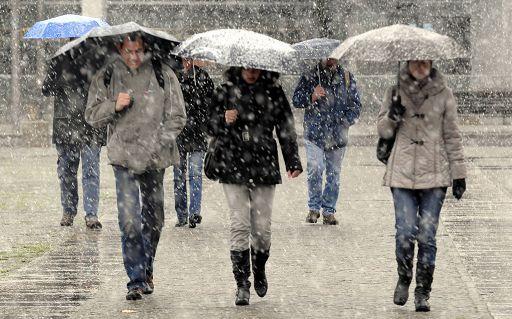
329 95
197 88
248 108
140 100
68 80
426 158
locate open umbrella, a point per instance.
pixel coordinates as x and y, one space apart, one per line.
100 41
398 43
66 26
314 50
242 48
317 48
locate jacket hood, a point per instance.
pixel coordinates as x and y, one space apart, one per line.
234 76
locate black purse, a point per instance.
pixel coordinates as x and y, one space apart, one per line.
213 163
384 148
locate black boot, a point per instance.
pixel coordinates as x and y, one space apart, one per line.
424 277
259 259
242 271
404 281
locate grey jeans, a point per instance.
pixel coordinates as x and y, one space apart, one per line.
251 212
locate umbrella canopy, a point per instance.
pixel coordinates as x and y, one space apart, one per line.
242 48
99 42
398 43
66 26
317 48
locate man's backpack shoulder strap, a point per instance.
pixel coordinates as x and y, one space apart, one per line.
157 67
347 79
107 77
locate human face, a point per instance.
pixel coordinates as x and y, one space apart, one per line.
187 63
420 69
132 52
250 76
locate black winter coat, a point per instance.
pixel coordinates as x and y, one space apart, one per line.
69 85
197 88
249 150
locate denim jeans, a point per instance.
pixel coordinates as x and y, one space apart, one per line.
318 161
195 177
140 205
416 219
67 170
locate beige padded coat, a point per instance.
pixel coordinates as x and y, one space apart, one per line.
428 149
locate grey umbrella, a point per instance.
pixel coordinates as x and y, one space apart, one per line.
317 48
235 47
398 43
314 50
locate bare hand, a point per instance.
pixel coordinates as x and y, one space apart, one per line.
231 116
293 174
123 101
318 93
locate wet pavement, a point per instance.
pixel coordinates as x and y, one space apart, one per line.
345 271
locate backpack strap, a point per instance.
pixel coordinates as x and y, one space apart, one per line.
157 67
108 75
347 80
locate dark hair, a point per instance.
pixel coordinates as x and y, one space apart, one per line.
234 75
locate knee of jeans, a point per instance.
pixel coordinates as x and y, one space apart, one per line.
240 239
426 239
129 229
405 237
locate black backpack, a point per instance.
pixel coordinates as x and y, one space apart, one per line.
157 67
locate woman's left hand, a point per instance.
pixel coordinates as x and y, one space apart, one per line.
293 174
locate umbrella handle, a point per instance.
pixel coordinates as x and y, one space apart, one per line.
398 79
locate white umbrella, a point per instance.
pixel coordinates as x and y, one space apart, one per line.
242 48
398 43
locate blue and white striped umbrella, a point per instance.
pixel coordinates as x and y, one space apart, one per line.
66 26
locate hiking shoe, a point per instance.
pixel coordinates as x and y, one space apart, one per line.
134 294
181 223
193 220
67 220
330 220
93 223
312 217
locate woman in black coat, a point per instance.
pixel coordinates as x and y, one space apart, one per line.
247 109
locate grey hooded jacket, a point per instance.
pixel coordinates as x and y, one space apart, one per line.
143 136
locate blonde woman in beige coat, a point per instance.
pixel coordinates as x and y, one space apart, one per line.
427 158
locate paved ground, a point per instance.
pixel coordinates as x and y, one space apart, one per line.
314 271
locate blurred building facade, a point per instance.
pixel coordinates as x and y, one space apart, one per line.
483 28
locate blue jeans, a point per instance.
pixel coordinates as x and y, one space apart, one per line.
320 160
416 219
140 205
67 170
195 177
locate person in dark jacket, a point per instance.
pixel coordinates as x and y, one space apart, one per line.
68 81
247 109
197 88
330 98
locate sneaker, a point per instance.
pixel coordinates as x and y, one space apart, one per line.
93 223
150 287
312 217
67 220
330 220
134 294
193 220
181 223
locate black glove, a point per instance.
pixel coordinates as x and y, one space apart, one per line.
459 187
396 110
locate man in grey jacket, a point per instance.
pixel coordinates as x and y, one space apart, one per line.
140 100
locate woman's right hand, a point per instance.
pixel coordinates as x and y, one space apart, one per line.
231 116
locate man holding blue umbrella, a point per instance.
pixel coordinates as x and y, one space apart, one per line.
67 80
